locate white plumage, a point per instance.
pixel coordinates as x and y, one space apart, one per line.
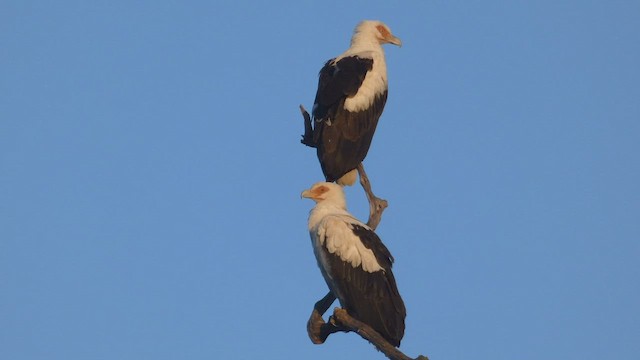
335 233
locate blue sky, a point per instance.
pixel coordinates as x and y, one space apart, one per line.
150 172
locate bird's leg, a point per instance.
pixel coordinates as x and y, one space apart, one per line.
317 329
323 304
376 205
307 137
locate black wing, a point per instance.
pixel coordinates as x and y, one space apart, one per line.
372 298
337 81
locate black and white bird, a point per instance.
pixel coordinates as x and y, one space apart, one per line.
355 263
352 92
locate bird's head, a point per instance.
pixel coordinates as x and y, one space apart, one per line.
377 30
326 192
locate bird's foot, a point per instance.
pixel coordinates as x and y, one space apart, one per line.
307 137
314 328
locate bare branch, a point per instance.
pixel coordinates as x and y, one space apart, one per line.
342 320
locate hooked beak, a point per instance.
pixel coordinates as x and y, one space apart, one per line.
395 41
306 194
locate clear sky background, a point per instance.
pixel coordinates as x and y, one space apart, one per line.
151 170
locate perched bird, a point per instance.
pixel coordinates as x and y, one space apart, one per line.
355 263
352 92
